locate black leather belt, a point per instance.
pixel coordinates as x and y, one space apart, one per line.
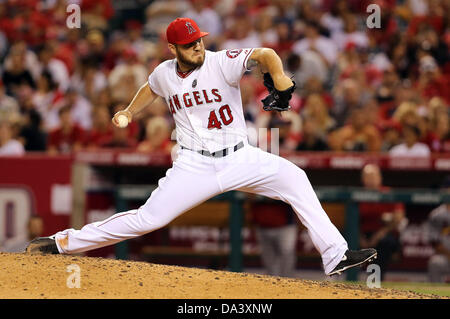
220 153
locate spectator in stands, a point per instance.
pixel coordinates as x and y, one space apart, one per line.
400 59
119 139
288 127
28 23
31 135
348 96
382 37
3 41
249 100
16 75
286 38
438 139
429 41
371 109
205 17
45 99
68 137
126 78
438 135
306 11
96 13
95 49
157 136
30 58
305 66
80 109
289 134
325 45
438 226
333 17
411 145
265 27
313 138
357 136
113 52
431 81
55 67
315 42
8 145
138 43
277 233
391 137
102 128
381 223
350 34
103 98
385 93
9 108
350 65
160 13
88 80
241 34
313 85
437 108
315 107
407 113
69 50
35 228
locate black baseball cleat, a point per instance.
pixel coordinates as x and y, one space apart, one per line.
42 245
353 258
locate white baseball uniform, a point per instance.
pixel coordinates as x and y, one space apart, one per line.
207 109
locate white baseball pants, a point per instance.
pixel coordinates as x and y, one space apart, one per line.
195 178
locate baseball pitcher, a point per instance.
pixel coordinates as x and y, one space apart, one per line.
202 92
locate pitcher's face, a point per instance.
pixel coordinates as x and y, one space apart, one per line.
191 54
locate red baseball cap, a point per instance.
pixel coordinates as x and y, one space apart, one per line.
183 31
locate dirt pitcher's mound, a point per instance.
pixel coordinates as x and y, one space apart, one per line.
51 276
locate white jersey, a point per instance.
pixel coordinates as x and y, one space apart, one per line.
205 102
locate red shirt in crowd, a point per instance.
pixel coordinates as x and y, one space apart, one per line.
64 141
104 7
370 214
271 215
30 25
438 87
436 22
97 138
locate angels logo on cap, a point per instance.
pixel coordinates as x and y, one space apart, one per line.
190 28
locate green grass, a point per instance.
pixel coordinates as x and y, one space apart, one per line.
420 287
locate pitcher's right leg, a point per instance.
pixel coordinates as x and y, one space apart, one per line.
178 192
269 175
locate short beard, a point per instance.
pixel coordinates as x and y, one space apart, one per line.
187 63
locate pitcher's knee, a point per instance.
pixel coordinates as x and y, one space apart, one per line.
293 177
150 221
301 173
294 171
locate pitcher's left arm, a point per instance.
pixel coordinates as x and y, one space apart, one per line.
279 85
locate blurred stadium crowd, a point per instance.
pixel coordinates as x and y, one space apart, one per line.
359 89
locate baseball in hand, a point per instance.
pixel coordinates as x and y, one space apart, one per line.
122 120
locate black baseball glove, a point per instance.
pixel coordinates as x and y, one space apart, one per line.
276 100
